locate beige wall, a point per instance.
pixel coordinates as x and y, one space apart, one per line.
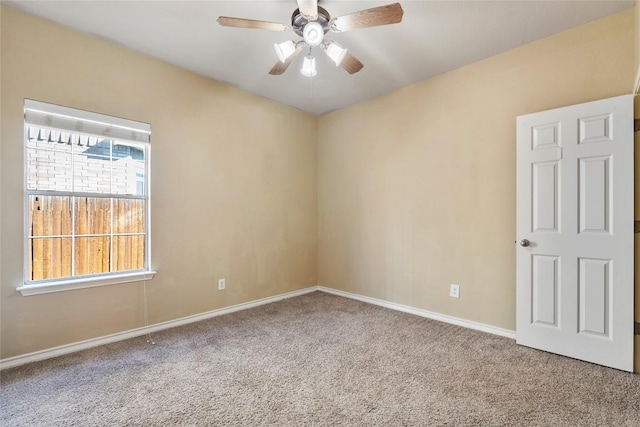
637 9
233 187
637 186
416 188
1 311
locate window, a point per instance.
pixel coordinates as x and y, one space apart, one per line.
87 199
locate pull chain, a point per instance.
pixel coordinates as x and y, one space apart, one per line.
310 87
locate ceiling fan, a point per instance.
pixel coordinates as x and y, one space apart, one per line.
312 23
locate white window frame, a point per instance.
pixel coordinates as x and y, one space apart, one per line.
78 121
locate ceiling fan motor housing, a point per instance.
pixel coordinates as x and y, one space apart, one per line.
299 21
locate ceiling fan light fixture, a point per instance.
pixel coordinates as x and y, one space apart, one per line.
284 50
309 67
313 33
336 52
313 22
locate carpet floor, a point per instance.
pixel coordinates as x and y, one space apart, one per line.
322 360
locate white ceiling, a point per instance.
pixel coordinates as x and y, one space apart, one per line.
434 37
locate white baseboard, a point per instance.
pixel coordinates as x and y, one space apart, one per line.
424 313
120 336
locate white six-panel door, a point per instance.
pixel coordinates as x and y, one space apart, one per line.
575 231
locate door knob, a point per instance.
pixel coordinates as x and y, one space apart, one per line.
524 242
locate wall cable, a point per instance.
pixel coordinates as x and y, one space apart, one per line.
146 315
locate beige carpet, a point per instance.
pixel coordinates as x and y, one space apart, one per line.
319 360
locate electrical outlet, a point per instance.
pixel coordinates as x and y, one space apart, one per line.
221 284
454 291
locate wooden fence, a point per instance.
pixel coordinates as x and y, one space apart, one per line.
91 222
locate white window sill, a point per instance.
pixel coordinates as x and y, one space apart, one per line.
87 282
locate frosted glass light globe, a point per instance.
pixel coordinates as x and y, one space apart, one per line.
313 34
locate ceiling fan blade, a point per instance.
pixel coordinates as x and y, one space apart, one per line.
280 67
227 21
309 8
383 15
351 64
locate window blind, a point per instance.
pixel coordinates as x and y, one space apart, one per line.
72 120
